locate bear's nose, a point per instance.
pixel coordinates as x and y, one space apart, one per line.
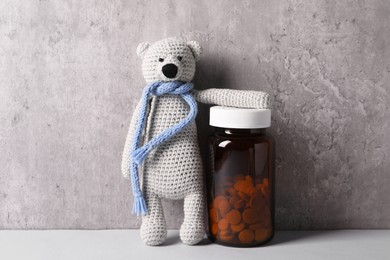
169 70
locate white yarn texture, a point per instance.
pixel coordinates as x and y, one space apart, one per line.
174 170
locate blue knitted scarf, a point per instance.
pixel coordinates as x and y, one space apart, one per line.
138 154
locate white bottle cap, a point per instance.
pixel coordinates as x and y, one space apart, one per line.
240 118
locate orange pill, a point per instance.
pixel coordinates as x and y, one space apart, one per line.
239 204
241 185
217 199
223 224
226 232
249 179
223 206
257 202
262 234
233 217
234 199
250 216
257 192
243 196
237 228
256 226
213 215
214 229
246 236
226 238
250 190
231 191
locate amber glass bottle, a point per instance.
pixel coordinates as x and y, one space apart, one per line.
240 186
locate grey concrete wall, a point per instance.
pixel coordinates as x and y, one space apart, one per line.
69 79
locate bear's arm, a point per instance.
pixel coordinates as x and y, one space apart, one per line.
233 98
129 139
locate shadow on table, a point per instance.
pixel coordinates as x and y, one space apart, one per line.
174 238
280 237
287 236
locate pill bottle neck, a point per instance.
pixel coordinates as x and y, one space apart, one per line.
234 131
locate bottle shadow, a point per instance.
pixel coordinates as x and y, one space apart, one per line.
290 236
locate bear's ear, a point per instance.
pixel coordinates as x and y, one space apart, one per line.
195 48
142 48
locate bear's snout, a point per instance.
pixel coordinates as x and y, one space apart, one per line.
169 70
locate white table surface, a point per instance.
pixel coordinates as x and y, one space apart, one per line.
126 244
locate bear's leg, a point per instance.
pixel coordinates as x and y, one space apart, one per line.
192 230
153 228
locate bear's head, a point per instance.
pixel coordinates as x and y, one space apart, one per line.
169 60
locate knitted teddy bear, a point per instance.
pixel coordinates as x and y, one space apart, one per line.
161 153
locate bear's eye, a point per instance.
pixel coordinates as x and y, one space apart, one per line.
160 59
180 58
